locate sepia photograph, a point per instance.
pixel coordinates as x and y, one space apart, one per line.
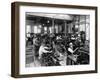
57 39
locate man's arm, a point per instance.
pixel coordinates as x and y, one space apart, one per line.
45 51
70 50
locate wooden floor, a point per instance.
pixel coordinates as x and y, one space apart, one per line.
35 63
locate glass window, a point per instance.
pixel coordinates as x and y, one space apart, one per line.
35 29
82 27
28 29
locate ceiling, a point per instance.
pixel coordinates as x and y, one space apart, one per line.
55 16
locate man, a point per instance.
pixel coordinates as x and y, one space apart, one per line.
43 49
71 56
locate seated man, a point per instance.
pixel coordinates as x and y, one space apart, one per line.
71 52
44 51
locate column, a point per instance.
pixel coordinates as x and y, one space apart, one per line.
65 27
53 27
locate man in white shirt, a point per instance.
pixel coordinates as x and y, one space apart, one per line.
71 52
43 49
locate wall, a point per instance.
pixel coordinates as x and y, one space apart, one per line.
5 40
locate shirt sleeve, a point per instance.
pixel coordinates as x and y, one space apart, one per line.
70 50
44 50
